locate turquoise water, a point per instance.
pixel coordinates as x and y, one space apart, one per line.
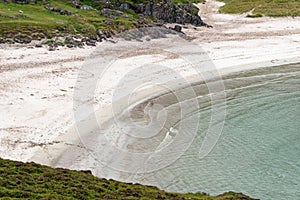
258 152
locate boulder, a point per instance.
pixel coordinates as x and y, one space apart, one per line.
86 7
22 39
124 6
168 11
38 45
178 28
51 48
90 42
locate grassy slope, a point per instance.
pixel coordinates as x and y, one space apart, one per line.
36 19
273 8
34 181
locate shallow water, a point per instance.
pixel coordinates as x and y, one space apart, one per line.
258 152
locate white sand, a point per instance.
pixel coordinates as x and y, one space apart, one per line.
37 85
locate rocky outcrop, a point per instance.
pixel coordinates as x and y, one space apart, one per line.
168 11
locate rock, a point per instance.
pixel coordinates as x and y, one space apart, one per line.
2 40
9 35
70 45
76 3
118 13
108 22
22 39
124 6
20 11
91 42
93 37
38 45
9 41
69 38
51 48
141 20
48 6
178 28
170 12
86 7
83 40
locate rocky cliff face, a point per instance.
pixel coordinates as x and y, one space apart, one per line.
170 12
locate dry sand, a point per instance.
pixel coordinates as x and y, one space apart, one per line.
36 85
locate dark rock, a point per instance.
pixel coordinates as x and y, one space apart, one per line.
38 45
9 35
76 3
69 38
108 22
99 39
124 6
178 28
170 12
141 20
90 43
118 13
70 45
83 40
93 37
22 39
51 48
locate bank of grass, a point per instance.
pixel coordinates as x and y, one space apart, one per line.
272 8
34 181
35 18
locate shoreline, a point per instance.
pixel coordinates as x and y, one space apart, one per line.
38 85
65 152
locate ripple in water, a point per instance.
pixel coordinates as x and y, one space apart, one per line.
259 150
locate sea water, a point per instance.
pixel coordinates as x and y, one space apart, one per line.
258 152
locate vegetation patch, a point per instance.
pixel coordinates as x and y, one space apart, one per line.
86 17
52 17
272 8
34 181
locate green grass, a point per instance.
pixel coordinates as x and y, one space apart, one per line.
34 181
272 8
37 19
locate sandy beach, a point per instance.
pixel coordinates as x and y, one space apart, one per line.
37 85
